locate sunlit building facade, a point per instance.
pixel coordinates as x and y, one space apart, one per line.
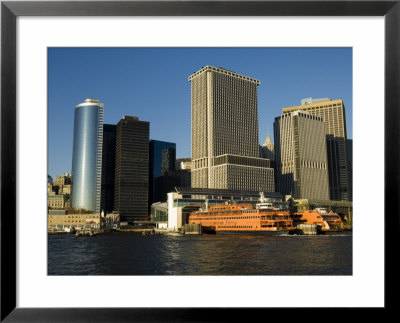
301 157
225 149
333 114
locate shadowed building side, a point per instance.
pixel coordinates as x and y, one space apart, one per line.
108 168
132 169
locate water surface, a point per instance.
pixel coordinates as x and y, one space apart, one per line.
121 253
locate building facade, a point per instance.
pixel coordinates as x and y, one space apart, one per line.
132 169
108 168
87 155
62 180
333 114
74 220
56 202
225 122
301 157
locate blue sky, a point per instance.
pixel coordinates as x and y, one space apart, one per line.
152 84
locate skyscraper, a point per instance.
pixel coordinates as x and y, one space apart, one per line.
87 155
132 169
225 150
108 168
333 114
301 159
162 170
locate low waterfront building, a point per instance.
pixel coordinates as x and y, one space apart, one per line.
159 214
92 221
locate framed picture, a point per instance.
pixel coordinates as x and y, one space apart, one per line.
190 15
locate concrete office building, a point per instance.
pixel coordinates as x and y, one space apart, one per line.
225 150
333 114
108 168
132 169
87 155
301 158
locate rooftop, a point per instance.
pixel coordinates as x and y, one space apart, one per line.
214 191
223 71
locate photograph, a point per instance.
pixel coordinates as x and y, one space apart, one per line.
198 158
200 161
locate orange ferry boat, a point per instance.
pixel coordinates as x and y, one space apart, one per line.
243 218
325 221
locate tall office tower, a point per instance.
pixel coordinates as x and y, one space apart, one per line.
132 169
301 157
225 150
333 114
108 168
87 155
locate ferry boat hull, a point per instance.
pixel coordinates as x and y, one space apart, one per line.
327 222
265 233
242 219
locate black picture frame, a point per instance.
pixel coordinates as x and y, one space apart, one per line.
10 10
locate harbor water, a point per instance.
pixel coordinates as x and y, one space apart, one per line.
123 253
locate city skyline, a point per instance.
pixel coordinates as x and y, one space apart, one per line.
152 84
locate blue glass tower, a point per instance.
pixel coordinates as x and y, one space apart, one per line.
87 156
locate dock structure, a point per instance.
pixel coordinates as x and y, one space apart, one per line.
308 229
192 228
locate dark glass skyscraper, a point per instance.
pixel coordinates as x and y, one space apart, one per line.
162 165
87 155
108 168
132 169
156 156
